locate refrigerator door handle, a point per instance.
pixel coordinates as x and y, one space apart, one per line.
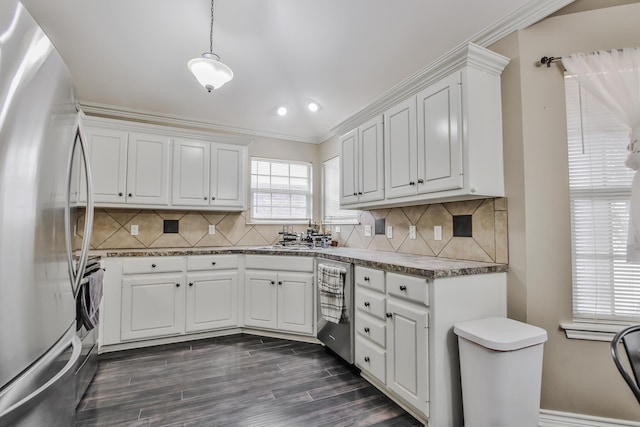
76 273
23 383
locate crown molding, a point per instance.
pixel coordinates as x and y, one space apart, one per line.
530 13
123 113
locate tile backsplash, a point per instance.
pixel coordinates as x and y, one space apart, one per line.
488 241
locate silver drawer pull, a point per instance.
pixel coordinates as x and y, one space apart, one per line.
366 330
366 359
403 288
366 304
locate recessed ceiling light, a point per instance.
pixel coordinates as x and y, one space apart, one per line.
282 111
313 106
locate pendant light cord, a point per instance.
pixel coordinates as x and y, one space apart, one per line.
211 30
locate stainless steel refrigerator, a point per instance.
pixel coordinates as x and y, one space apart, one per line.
42 168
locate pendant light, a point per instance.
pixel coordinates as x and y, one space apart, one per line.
208 70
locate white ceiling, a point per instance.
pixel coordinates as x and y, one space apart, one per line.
343 54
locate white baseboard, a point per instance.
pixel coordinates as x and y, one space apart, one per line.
565 419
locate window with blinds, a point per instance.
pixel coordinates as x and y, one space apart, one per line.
280 191
332 213
605 286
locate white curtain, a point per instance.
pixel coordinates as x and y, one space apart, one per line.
614 78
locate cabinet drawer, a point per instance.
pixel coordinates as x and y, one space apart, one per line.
212 262
279 262
370 278
371 328
152 265
370 302
371 358
408 287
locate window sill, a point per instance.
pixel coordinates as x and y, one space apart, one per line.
592 331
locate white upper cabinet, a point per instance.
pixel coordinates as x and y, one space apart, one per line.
129 167
140 165
228 185
400 149
443 142
362 164
191 165
148 169
209 174
108 156
440 135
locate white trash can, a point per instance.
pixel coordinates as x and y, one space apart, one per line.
501 372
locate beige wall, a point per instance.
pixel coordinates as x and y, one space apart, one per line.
578 376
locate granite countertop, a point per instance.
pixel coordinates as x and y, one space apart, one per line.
419 265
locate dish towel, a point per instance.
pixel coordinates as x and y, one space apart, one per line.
331 284
88 300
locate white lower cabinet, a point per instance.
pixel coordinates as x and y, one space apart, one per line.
282 301
166 296
407 353
404 335
392 336
279 293
212 300
152 306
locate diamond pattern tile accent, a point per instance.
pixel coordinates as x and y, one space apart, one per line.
436 215
150 227
483 225
104 226
400 223
193 227
489 241
233 227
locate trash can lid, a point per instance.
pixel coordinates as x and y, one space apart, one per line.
500 333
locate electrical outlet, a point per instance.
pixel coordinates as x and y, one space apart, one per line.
412 232
212 229
367 231
389 232
437 232
134 230
337 228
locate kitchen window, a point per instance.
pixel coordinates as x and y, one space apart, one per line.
606 290
332 213
281 191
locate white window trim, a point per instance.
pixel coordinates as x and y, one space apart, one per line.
257 221
593 329
339 221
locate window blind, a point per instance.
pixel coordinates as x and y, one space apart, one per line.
605 286
280 190
331 195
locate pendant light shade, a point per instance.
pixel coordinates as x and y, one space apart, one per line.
208 70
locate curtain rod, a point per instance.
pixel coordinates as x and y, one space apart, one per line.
549 59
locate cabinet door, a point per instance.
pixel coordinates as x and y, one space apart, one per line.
228 176
371 161
108 157
407 356
147 169
349 168
152 306
295 302
261 302
400 149
212 299
440 136
191 165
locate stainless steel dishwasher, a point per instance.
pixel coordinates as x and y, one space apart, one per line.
338 337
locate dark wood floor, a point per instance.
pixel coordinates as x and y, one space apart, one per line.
239 380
